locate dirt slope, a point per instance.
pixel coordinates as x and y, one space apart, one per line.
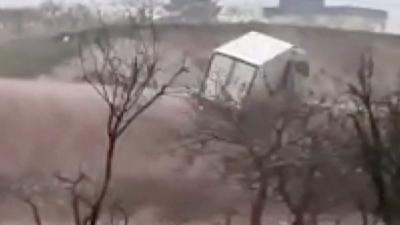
42 121
334 54
50 127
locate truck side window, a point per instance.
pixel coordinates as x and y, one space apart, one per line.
302 67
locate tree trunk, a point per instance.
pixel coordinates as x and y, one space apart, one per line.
98 205
258 205
391 218
298 219
228 219
363 212
313 218
35 211
364 217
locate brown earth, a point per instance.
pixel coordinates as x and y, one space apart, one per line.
334 54
50 126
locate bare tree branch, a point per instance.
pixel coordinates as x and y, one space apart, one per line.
124 85
34 208
77 199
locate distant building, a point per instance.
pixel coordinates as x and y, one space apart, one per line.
18 20
195 11
23 15
240 14
315 12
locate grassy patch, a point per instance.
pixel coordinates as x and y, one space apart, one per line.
26 58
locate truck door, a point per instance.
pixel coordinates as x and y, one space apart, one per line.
220 69
240 81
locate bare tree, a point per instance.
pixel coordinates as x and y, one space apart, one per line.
306 188
254 140
77 198
34 208
298 204
376 122
29 194
79 16
117 210
127 87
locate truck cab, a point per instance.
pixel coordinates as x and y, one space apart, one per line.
255 65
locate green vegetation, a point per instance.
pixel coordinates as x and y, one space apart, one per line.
25 58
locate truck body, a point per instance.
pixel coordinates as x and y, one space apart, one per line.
255 65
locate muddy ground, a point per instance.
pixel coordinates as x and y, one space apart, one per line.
334 54
50 127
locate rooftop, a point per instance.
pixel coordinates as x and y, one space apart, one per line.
317 7
254 48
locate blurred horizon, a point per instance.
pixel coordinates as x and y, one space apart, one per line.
391 6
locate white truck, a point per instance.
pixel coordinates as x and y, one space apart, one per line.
257 65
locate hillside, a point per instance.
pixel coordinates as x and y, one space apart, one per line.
53 127
333 53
